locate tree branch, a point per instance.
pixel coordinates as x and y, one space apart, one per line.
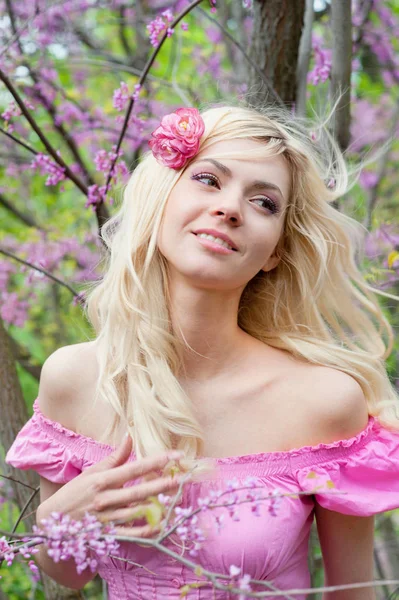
41 135
25 218
36 268
17 141
141 81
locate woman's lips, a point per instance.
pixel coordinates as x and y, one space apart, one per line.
214 246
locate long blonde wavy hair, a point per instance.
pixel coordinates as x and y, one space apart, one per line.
315 304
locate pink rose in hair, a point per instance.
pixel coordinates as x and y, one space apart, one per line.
177 138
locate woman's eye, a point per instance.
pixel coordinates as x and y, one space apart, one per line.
212 181
207 176
268 203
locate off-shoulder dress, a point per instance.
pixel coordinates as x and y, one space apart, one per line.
273 548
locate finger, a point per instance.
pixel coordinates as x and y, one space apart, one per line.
118 457
145 531
121 515
135 469
114 498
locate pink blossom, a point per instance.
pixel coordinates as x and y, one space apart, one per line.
368 179
13 310
121 97
137 90
168 15
159 25
322 63
155 28
95 196
48 166
67 538
12 110
243 583
178 137
35 571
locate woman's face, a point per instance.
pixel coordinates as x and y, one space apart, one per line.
244 200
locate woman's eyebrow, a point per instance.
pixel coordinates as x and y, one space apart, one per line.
256 185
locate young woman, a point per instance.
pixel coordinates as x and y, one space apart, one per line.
232 322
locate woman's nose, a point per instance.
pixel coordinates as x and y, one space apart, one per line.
228 211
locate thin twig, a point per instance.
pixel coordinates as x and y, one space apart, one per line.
142 78
40 269
41 135
25 218
20 142
17 481
24 509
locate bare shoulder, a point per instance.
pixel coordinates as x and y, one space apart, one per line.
64 376
336 403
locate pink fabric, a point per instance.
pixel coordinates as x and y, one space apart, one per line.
364 470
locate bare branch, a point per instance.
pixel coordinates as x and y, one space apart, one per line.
36 268
122 33
17 141
25 218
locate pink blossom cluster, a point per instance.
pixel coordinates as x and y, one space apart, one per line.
68 112
121 96
49 255
13 309
68 538
11 111
368 179
322 63
240 581
9 552
48 167
186 520
103 161
159 25
96 195
379 34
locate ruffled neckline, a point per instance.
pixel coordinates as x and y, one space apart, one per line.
238 459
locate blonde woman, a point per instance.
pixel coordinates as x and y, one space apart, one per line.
232 322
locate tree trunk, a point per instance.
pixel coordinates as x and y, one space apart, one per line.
275 46
341 68
387 547
14 415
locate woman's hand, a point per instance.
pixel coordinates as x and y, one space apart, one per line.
99 489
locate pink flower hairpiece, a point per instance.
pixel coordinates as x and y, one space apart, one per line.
177 139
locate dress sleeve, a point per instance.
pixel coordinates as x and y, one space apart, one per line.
358 476
48 448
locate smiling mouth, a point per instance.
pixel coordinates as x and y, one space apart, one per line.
215 240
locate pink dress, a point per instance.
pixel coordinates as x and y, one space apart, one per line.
364 470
